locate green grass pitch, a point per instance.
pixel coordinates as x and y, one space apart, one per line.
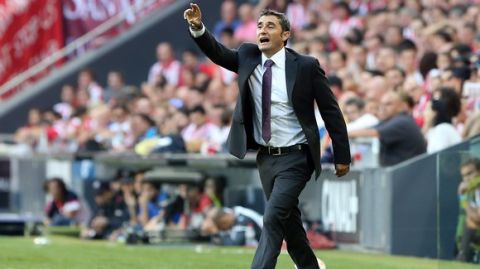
70 253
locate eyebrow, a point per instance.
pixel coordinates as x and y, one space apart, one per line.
268 22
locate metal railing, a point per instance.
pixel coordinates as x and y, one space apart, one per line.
123 16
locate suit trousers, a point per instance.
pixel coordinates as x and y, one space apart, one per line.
283 178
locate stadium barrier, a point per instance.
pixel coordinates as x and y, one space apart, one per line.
408 209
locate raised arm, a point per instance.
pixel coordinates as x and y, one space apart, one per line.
214 50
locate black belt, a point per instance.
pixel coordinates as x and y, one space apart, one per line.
281 150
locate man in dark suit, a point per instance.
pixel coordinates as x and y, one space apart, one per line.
275 115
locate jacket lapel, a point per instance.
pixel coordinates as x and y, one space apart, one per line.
290 72
248 70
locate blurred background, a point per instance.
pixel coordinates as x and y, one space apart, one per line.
113 124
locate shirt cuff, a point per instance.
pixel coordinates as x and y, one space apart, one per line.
197 33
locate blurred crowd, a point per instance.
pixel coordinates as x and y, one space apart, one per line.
129 208
405 72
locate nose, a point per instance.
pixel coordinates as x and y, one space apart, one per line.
261 30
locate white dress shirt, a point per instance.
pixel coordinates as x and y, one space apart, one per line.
286 130
285 127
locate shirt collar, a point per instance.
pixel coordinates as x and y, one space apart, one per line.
278 58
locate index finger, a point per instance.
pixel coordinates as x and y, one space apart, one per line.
195 7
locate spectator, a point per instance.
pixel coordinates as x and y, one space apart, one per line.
214 187
296 13
468 229
166 66
228 14
199 132
386 59
128 195
227 38
246 31
152 202
408 60
440 133
30 133
343 21
63 206
87 83
239 226
108 215
395 78
336 85
337 62
143 127
67 105
400 138
394 36
116 91
119 128
444 61
356 115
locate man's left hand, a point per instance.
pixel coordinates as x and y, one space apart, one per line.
341 169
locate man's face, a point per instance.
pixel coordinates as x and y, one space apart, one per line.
352 112
390 106
197 118
114 80
149 191
385 59
469 172
164 52
270 36
394 77
55 190
408 59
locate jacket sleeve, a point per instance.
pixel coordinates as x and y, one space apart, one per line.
331 114
217 52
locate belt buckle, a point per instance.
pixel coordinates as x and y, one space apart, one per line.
277 153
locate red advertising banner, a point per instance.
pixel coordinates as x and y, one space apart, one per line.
30 31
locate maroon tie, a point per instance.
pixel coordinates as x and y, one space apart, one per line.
266 100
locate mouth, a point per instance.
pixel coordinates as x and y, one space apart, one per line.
264 40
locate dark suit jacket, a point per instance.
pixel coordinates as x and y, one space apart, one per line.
306 83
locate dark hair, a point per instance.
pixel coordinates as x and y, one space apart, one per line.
407 99
343 5
406 44
284 23
447 106
444 36
470 26
342 54
227 31
472 161
375 72
354 37
335 81
355 101
226 117
399 69
88 71
198 109
427 63
146 119
191 51
123 107
57 180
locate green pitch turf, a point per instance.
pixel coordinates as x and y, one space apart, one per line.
69 253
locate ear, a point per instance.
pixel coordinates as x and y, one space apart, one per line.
285 35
